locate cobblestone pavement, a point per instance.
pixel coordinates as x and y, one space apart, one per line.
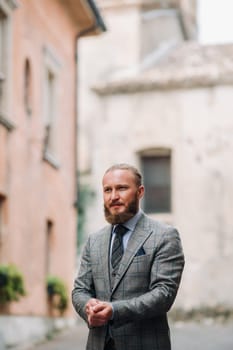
185 336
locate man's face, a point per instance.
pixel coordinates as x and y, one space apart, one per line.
121 195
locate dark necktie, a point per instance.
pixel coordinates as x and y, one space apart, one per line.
117 247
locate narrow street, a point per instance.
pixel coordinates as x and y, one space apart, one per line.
185 336
191 336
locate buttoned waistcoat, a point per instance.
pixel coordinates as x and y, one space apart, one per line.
144 289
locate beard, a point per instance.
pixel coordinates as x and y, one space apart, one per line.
120 218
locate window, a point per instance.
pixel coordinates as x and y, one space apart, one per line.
27 88
50 112
6 8
49 239
156 171
2 216
2 57
51 108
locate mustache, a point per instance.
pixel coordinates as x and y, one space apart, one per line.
115 203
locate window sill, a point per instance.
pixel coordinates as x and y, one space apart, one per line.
51 159
8 124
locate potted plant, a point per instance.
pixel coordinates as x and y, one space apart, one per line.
11 284
57 293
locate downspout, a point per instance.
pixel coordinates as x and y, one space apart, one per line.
80 34
99 23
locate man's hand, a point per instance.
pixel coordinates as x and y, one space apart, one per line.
98 312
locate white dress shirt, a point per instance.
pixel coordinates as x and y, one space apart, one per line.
130 225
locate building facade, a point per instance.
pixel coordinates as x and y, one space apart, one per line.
38 187
162 102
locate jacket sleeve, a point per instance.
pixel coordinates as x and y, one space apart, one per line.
165 275
83 284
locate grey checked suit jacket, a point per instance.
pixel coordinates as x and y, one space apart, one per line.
144 290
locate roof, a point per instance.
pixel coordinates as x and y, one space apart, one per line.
85 15
189 65
96 13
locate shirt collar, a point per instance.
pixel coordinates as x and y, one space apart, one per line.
131 223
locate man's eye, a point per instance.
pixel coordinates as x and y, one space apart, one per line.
123 188
107 190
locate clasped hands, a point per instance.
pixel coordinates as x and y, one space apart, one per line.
98 312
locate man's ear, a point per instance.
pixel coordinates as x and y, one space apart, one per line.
141 191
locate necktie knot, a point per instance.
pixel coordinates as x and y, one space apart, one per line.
117 247
120 230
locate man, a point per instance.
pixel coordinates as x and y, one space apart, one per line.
128 280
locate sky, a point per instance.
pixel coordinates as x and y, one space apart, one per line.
215 21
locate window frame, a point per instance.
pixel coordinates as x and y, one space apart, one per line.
6 8
156 154
52 68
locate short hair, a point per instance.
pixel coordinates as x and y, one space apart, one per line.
125 166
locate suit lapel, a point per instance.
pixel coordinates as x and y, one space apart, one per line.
139 236
104 245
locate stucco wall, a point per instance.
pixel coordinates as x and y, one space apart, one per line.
197 125
36 191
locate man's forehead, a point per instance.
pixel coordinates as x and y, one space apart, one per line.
118 175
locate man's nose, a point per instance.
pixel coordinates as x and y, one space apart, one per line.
115 195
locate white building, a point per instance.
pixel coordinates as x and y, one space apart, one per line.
152 95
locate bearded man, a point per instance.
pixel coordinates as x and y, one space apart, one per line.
130 271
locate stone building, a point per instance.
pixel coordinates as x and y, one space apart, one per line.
162 101
38 151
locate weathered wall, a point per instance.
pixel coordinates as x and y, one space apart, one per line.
192 117
37 191
197 125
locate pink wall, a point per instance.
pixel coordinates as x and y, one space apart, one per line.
35 190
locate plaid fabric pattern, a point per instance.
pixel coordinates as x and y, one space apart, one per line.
144 288
117 247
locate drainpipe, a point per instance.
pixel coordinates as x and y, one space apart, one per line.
98 24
